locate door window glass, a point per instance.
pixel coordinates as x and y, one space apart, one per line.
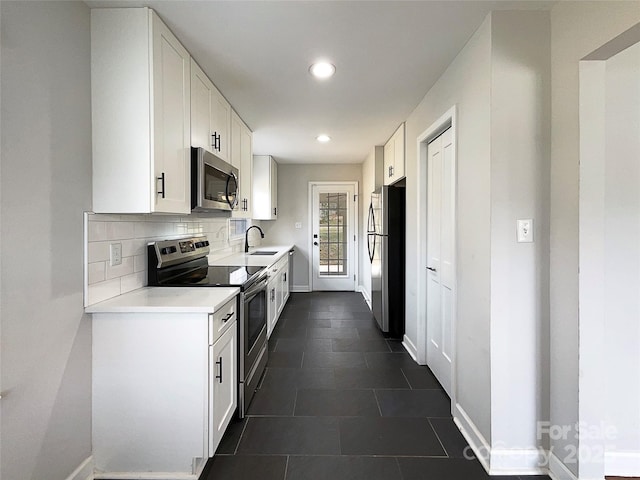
333 233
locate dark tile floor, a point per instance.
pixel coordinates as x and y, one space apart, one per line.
338 401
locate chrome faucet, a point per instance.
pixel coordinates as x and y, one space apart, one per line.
246 237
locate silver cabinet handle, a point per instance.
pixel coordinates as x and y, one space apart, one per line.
219 362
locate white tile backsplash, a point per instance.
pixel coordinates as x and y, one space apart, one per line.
134 232
97 272
125 268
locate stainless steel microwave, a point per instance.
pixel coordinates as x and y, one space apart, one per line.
214 182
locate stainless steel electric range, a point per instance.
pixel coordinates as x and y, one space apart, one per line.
183 263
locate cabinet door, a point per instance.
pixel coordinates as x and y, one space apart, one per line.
265 175
246 167
201 95
223 391
171 122
235 155
389 152
242 159
271 306
285 285
274 187
220 124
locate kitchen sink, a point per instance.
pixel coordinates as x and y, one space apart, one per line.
263 252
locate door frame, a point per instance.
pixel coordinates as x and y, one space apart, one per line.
356 227
592 398
447 120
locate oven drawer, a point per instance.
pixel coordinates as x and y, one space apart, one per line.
222 319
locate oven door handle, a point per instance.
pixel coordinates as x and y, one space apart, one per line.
255 289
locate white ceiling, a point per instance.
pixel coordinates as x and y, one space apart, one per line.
387 55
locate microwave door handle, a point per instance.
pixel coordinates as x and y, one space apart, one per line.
234 202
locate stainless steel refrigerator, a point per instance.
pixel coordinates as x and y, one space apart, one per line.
386 245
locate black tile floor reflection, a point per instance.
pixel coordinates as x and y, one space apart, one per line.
339 401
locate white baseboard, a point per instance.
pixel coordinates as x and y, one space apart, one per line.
558 470
144 476
300 289
622 464
410 348
365 294
472 435
84 471
528 461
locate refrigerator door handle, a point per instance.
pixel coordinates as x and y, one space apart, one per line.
371 253
371 223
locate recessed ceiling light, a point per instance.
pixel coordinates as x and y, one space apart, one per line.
323 138
322 70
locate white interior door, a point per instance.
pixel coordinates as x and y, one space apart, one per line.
440 245
334 238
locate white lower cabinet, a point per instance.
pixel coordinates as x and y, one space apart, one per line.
277 292
164 391
223 365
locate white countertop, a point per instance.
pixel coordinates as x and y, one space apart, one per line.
167 300
248 260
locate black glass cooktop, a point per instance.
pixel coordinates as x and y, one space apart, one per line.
218 276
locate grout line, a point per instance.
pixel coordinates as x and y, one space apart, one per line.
378 402
438 437
286 468
407 379
295 403
399 468
235 451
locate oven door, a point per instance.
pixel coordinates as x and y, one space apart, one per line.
214 182
255 324
253 342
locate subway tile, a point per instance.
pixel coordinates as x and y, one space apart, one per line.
140 263
103 291
98 251
133 282
120 230
97 231
97 272
131 248
104 217
121 270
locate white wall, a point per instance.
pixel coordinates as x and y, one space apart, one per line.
293 206
466 84
577 28
46 186
622 261
500 85
520 143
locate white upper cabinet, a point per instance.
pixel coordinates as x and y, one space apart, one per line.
210 115
265 187
242 159
140 88
394 157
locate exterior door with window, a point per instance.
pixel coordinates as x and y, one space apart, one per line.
334 238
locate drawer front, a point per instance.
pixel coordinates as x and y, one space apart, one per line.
278 265
222 319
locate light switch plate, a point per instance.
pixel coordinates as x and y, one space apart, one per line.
115 254
525 230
